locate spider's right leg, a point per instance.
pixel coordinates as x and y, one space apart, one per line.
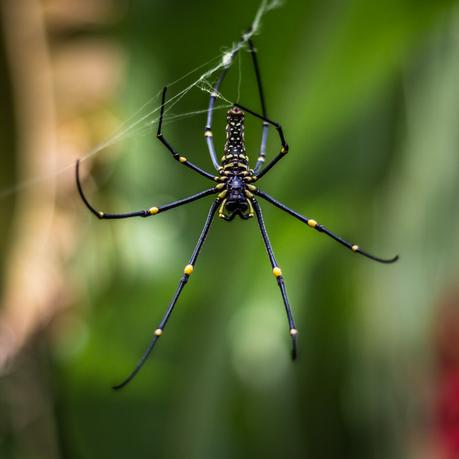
264 136
278 274
139 213
181 159
322 229
186 275
210 111
284 146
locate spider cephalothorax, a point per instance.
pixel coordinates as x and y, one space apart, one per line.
235 194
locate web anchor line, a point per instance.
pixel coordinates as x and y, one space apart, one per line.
139 120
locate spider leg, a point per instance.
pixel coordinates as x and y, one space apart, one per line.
138 213
284 146
210 111
186 275
278 274
175 154
208 129
322 229
264 137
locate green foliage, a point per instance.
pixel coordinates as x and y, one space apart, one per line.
367 95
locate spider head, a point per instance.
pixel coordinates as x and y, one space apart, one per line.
235 113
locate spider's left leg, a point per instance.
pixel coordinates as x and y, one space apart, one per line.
181 159
278 274
284 146
186 275
210 112
138 213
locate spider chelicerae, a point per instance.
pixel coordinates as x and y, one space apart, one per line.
235 193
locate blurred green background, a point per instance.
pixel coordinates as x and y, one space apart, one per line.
368 95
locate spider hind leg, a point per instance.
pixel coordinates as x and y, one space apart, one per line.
188 270
277 272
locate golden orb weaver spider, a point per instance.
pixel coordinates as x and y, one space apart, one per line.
236 194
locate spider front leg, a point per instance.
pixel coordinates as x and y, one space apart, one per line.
183 281
278 274
284 146
138 213
181 159
210 112
322 229
264 136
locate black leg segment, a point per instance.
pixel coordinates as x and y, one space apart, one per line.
208 129
210 112
284 146
183 281
181 159
264 136
322 229
138 213
278 274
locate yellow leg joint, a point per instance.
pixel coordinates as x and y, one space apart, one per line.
188 270
208 133
251 211
312 223
153 211
158 332
100 214
355 248
277 271
293 331
221 209
220 186
182 159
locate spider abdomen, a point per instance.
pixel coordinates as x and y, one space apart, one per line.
234 146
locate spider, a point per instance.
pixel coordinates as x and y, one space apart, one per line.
236 195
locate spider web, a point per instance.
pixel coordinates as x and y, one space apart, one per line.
144 118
